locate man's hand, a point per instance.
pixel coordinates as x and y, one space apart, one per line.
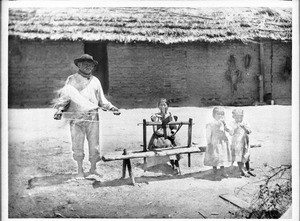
115 111
57 115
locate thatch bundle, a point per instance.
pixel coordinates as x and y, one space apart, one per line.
158 25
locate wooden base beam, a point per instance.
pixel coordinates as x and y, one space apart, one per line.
158 152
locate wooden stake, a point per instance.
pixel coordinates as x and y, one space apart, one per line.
144 139
124 165
130 171
124 169
262 72
127 163
189 140
235 201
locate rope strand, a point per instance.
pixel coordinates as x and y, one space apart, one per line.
82 120
80 112
69 112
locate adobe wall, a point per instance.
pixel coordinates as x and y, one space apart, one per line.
194 74
139 74
37 69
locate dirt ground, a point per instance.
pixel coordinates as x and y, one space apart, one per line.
39 150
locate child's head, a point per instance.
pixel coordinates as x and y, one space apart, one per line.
163 105
238 115
218 113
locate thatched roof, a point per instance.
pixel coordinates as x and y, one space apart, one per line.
159 25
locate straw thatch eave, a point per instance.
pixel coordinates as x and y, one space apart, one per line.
156 25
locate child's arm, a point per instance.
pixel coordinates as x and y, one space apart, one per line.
246 127
172 127
158 131
208 135
228 129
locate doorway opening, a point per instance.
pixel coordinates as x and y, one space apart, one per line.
99 53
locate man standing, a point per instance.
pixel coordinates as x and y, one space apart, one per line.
79 101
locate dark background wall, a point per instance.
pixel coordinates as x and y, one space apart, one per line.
194 74
139 74
37 69
278 81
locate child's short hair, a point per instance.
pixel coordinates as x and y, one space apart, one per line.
162 100
218 110
237 112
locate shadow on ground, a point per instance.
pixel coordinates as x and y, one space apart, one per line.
205 175
165 173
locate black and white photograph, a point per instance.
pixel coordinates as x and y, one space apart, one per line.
150 109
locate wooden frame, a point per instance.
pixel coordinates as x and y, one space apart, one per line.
127 155
150 123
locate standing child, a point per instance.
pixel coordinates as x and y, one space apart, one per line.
217 152
240 147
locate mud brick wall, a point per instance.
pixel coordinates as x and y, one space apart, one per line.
207 65
37 69
194 74
280 84
141 73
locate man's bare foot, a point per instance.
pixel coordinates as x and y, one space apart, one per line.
93 175
79 176
94 172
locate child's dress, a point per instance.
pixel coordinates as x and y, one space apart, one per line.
158 134
217 151
240 148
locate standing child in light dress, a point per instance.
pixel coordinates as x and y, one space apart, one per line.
240 147
217 152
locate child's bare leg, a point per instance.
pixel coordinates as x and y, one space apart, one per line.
177 166
242 170
215 170
215 173
247 164
172 164
223 173
231 167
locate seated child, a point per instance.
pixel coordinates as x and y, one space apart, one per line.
163 136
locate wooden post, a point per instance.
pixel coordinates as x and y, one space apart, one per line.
144 139
124 169
190 139
262 72
127 163
130 171
124 164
